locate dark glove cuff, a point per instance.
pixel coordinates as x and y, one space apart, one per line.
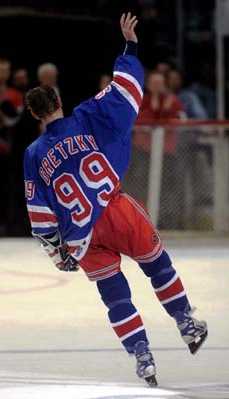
131 48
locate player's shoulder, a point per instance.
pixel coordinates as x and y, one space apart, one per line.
55 129
84 110
32 148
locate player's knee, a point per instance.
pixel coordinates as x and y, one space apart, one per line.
158 266
114 290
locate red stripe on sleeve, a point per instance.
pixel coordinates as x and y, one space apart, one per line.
130 87
42 217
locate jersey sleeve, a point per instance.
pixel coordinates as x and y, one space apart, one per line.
113 111
43 220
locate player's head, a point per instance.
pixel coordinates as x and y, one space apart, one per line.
43 102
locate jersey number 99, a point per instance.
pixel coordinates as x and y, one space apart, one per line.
97 173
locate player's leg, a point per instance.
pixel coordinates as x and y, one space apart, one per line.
115 293
127 323
171 294
156 264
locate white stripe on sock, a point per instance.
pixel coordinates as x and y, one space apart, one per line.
141 328
173 298
123 321
170 282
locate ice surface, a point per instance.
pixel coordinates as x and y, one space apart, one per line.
56 341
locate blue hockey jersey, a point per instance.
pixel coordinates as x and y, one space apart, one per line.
75 167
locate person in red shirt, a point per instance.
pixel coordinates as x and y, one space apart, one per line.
158 105
11 106
11 100
20 80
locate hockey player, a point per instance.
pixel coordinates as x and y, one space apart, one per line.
80 215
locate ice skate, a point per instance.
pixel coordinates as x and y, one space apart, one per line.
145 363
193 332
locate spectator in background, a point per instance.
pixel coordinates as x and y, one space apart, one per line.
194 157
204 88
193 107
11 106
11 99
21 80
104 81
163 68
158 105
47 75
149 9
26 131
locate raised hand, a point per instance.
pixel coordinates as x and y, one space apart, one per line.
128 24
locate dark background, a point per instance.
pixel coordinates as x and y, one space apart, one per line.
83 39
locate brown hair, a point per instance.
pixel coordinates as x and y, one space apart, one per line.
42 101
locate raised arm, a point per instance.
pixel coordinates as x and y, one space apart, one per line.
115 109
128 25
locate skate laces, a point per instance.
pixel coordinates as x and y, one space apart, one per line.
188 325
144 357
192 310
145 361
185 317
142 353
141 349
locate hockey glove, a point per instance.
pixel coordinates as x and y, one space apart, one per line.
58 252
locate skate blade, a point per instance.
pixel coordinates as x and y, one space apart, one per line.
151 381
195 346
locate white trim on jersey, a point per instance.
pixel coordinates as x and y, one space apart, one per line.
97 278
107 268
44 225
83 244
151 259
39 209
125 93
131 78
149 254
75 243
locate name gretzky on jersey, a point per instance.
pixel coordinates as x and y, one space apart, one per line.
74 169
61 151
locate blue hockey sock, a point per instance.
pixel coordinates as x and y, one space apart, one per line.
167 284
123 315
